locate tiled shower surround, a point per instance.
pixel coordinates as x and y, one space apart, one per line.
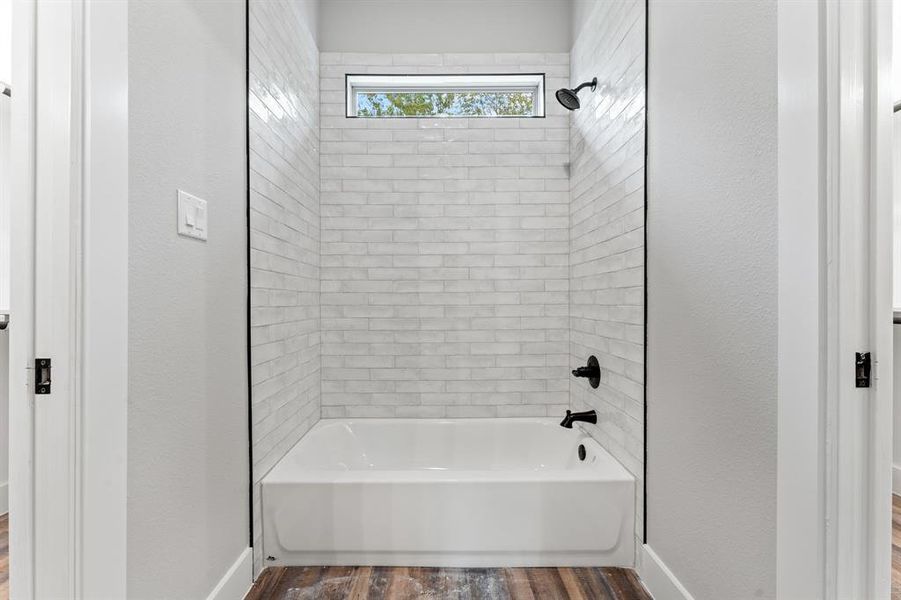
284 236
446 267
607 231
445 251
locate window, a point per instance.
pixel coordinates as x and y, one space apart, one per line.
381 96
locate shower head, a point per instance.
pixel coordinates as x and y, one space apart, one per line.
570 98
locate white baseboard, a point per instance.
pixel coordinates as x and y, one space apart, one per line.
657 577
896 479
236 582
4 497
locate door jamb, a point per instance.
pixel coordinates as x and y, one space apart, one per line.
800 506
100 79
104 301
833 94
21 328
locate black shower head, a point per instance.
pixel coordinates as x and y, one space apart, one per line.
570 98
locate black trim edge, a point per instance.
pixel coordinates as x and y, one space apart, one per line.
247 191
644 464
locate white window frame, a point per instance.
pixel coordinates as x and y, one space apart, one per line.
510 82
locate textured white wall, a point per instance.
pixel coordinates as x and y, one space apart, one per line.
426 26
607 230
444 252
712 295
6 19
187 361
284 220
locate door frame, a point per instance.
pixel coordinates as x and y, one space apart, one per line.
835 239
95 45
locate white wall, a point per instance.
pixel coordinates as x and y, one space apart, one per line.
444 253
406 26
6 19
308 13
712 304
607 230
285 238
187 415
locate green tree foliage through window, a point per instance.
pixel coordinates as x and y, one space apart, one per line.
445 104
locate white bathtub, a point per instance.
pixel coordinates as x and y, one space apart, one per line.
447 493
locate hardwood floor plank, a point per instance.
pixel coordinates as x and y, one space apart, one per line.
434 582
359 589
300 584
399 585
262 584
571 584
378 582
336 583
545 583
896 547
626 585
598 585
4 557
409 583
456 584
486 584
518 584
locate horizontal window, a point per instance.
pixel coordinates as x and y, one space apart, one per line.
466 96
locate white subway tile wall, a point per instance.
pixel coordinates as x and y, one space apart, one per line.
284 236
445 251
607 230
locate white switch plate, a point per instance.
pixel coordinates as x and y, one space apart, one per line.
192 217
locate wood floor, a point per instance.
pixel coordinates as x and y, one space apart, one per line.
4 557
401 583
896 547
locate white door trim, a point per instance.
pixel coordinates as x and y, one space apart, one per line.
57 230
835 230
104 301
881 226
859 314
21 329
800 509
95 47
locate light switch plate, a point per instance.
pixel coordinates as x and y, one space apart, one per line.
192 216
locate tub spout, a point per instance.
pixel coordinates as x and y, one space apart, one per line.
588 416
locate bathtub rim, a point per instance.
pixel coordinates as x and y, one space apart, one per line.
605 467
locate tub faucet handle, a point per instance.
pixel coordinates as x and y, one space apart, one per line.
591 371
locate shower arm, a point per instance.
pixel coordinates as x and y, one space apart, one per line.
593 83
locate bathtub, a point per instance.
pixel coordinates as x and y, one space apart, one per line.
447 493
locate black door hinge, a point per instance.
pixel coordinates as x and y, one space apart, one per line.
42 376
862 369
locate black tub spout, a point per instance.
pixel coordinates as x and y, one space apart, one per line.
589 416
